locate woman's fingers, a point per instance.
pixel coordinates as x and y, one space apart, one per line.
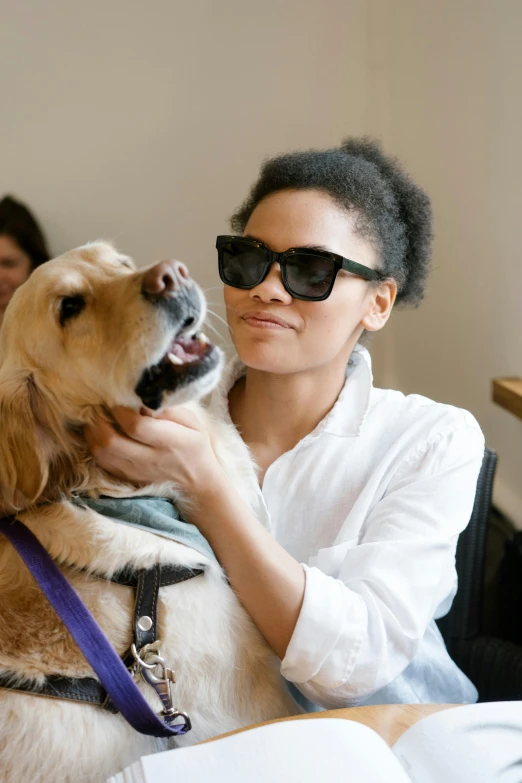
115 452
156 432
181 415
172 447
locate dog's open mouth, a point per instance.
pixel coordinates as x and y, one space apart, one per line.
188 359
185 350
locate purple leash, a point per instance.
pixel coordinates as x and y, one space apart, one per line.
89 637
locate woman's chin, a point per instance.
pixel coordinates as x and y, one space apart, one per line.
267 358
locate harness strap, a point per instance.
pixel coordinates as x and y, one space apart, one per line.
80 689
168 575
146 583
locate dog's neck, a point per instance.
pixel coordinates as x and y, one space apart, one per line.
73 536
72 469
83 539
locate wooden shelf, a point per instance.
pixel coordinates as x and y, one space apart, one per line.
507 392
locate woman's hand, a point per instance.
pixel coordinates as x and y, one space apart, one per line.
173 447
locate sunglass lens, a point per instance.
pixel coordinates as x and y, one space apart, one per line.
243 264
309 275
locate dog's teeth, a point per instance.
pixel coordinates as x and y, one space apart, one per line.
203 339
174 359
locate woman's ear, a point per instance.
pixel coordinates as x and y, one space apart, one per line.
381 301
24 452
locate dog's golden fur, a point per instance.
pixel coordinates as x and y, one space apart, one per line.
52 380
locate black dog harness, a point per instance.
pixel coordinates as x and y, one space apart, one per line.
146 584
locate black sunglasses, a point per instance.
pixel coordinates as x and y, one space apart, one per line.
306 273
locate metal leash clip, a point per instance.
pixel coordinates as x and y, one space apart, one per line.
152 667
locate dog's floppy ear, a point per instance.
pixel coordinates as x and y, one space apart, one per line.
24 447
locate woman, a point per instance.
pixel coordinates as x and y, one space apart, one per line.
22 248
349 555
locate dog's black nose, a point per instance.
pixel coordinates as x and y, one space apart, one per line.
165 279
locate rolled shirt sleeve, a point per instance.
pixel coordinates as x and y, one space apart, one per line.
368 603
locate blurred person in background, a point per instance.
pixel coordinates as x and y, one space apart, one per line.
23 247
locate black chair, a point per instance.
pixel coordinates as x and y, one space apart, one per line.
492 664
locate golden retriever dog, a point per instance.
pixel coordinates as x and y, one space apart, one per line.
85 333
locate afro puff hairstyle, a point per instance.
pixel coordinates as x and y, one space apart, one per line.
391 211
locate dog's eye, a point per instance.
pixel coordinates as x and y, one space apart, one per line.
71 306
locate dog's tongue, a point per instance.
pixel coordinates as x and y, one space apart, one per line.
188 349
180 350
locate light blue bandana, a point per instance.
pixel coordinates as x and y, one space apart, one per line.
155 515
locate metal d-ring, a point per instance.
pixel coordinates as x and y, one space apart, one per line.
141 662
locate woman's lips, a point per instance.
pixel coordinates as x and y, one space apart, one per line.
265 321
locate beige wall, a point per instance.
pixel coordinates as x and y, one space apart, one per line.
445 95
146 122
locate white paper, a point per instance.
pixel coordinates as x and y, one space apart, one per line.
309 751
475 743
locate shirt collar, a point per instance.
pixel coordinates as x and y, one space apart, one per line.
349 412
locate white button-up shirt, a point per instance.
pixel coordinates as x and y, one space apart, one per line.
372 503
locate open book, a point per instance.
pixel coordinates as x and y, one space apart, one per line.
479 743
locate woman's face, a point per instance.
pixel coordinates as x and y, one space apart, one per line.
15 268
315 333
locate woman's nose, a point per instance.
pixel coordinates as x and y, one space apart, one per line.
271 289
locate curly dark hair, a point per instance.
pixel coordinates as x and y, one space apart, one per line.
391 210
19 224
